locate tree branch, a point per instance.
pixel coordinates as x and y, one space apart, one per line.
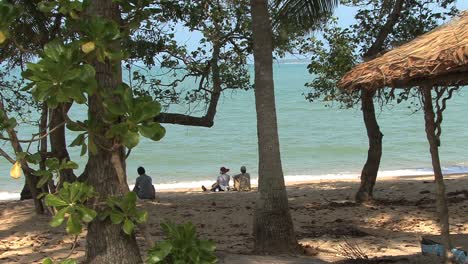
208 119
6 156
377 46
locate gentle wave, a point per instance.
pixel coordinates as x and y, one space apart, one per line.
5 196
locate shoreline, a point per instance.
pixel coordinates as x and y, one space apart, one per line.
290 181
324 215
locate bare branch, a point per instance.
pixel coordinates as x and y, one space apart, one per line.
6 156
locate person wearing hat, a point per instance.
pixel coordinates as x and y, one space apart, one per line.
242 180
222 182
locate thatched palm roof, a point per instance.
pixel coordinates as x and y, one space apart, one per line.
439 57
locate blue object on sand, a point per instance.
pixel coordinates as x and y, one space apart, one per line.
432 249
460 256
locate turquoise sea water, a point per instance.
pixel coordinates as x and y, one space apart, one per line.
315 141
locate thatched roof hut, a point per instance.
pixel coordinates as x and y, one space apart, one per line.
439 57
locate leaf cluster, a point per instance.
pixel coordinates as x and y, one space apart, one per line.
70 204
53 167
60 76
66 261
124 211
8 14
343 48
136 115
182 246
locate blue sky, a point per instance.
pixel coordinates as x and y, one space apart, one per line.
345 18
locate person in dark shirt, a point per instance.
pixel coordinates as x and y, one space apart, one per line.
144 185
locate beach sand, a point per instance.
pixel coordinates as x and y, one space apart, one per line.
324 215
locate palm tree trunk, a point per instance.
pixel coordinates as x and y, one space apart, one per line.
374 154
273 226
442 206
106 243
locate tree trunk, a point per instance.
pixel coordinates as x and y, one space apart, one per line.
273 226
442 207
371 168
106 243
25 193
31 180
58 143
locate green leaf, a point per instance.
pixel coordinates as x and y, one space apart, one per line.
52 200
58 219
116 218
77 126
131 139
84 149
87 214
52 163
34 158
73 225
47 261
44 179
153 131
117 109
141 217
69 165
78 141
131 197
207 245
92 146
160 252
128 226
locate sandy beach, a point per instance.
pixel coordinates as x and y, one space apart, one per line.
324 215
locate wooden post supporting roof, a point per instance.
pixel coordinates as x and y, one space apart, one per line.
437 58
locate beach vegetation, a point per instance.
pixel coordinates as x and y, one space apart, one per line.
380 26
124 210
182 245
70 203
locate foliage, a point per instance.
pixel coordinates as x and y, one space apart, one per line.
185 75
136 115
97 40
342 48
182 246
331 58
66 261
65 7
53 167
5 122
69 203
123 210
59 76
7 15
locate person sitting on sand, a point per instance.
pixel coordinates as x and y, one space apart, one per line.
242 181
222 182
144 185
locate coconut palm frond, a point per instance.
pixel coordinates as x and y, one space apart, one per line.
303 14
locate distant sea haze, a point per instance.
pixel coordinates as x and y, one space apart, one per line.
317 142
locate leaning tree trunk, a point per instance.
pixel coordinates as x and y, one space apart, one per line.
371 168
31 180
273 226
58 143
442 207
106 243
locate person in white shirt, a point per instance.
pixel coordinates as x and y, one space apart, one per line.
222 182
